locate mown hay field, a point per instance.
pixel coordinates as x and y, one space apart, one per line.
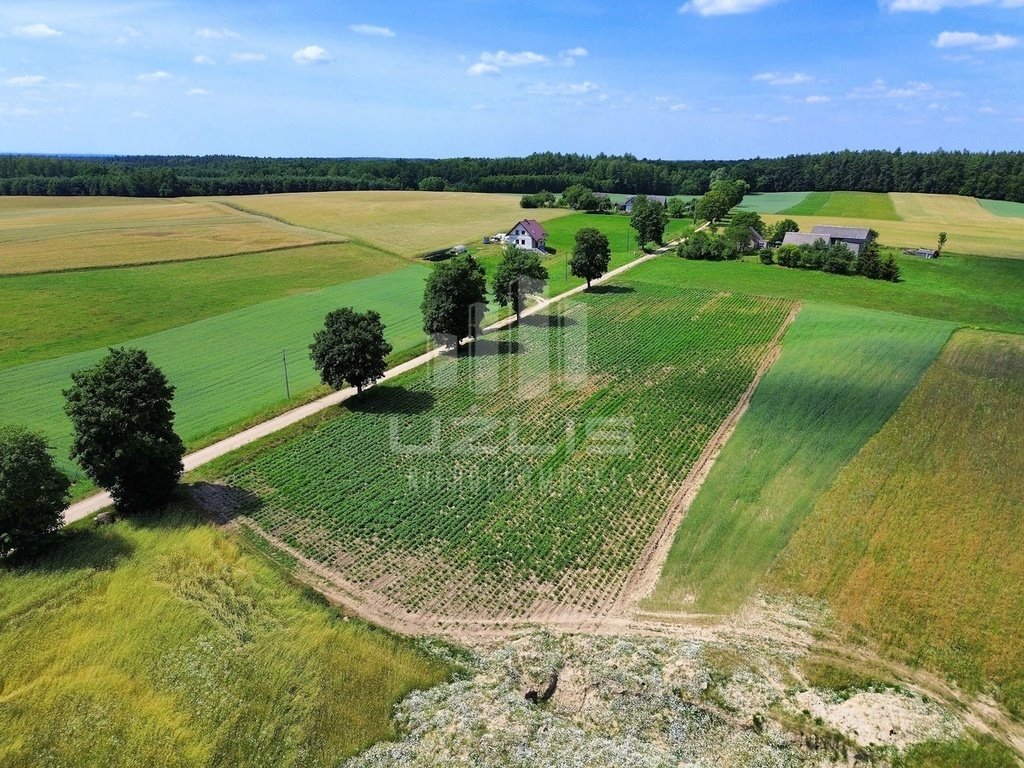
971 228
842 373
55 314
918 544
494 487
228 368
409 224
167 642
46 234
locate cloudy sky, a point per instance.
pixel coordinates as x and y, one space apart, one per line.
705 79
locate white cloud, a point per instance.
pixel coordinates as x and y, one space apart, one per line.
506 59
815 99
197 92
576 53
482 69
679 107
974 40
25 81
724 7
879 89
202 58
140 115
209 33
372 30
312 54
248 57
987 111
153 77
778 78
562 89
37 31
932 6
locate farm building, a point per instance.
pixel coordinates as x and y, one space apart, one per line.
924 253
853 236
528 234
627 205
810 238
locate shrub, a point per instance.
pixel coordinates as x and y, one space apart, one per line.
33 492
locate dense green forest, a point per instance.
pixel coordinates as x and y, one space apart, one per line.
995 175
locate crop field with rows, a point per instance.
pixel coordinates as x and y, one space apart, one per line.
525 478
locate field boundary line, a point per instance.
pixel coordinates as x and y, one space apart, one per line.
95 503
647 571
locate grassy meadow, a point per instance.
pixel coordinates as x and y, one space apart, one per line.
842 373
228 367
1003 208
918 544
768 203
409 224
56 314
860 205
414 479
47 234
167 642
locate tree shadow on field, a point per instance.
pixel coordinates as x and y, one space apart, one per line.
547 321
75 549
489 348
389 398
224 502
611 290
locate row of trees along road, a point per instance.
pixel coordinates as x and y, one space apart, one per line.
120 409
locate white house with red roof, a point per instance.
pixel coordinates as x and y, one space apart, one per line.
528 234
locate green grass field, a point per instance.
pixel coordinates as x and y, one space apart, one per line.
772 202
860 205
1003 208
168 642
51 315
486 488
919 542
228 367
842 373
974 291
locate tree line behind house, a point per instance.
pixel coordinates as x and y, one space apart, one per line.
992 175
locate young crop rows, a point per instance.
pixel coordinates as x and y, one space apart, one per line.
524 481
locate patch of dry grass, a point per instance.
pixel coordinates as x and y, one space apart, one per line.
407 223
40 234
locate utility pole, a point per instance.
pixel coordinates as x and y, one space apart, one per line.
287 389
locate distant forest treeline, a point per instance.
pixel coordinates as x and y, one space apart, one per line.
996 175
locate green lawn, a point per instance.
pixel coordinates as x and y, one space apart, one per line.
47 316
772 202
493 484
972 290
1003 208
226 368
853 205
167 642
842 373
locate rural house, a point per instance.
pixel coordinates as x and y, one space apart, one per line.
810 238
528 234
852 236
627 205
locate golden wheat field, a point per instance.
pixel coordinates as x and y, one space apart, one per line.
407 223
971 229
39 234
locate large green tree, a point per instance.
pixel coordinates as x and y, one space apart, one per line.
33 492
124 436
579 198
591 254
452 294
649 220
350 348
519 274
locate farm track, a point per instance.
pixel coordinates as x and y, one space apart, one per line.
93 504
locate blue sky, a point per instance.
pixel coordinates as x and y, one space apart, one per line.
706 79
